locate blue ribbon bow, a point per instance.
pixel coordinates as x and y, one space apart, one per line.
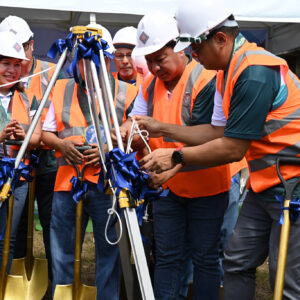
89 48
294 209
124 172
78 188
60 45
7 170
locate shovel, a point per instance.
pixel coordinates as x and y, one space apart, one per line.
285 228
33 270
77 290
11 287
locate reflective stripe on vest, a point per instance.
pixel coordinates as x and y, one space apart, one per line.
281 131
45 78
270 159
190 181
186 103
27 105
120 100
65 114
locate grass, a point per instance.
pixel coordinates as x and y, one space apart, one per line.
263 291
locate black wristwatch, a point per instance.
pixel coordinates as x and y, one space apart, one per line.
177 157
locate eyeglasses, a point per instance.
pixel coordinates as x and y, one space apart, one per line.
119 56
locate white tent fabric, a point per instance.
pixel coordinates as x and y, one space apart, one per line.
255 10
280 18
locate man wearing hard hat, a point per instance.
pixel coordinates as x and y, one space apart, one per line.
124 41
16 109
46 170
67 124
260 98
180 91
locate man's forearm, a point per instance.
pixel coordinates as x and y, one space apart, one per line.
51 140
192 135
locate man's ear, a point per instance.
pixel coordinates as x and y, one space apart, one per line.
31 45
220 39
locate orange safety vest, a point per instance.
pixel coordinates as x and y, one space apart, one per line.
281 132
38 83
237 166
193 181
139 79
20 110
71 124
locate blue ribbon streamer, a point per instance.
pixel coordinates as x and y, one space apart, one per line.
60 45
7 170
124 172
89 49
78 188
294 209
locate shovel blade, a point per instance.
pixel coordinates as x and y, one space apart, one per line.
67 292
14 288
35 286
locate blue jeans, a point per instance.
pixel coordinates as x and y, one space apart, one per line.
20 195
230 216
62 241
254 238
198 220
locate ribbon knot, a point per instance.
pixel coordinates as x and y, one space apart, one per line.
125 174
294 209
88 48
60 45
78 188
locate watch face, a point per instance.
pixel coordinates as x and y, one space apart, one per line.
177 157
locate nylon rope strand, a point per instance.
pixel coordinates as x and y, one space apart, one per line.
144 134
22 78
112 211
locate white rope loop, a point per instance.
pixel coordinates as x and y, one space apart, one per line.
144 134
23 79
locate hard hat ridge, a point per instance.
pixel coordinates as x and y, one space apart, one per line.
12 47
196 19
155 30
18 27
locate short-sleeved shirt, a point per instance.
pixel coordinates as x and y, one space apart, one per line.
258 90
202 108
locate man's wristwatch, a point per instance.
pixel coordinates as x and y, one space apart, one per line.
177 156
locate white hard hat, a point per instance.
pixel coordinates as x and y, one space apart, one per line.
196 18
140 64
154 31
10 46
125 37
106 36
17 26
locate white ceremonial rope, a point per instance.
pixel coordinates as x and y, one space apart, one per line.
111 211
22 78
144 134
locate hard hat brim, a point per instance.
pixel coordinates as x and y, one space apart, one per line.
138 51
181 46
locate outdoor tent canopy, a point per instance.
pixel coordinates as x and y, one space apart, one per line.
280 19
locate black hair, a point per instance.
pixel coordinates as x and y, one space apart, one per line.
171 44
231 31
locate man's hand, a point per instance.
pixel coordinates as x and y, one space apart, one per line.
124 136
151 125
92 156
158 161
156 180
70 153
19 132
8 130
